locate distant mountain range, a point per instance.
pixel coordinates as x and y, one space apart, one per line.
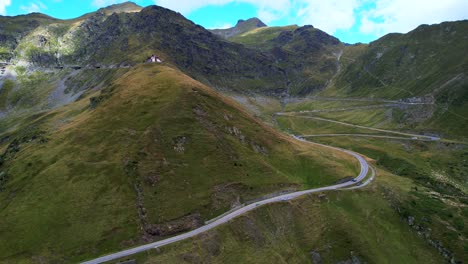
279 61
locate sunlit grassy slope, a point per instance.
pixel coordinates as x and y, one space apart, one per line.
340 226
153 138
427 61
427 193
261 37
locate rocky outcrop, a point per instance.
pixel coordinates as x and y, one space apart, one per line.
421 229
182 224
179 144
3 179
227 195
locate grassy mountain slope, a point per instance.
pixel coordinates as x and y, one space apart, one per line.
43 40
147 151
156 149
413 64
354 226
241 27
261 37
11 27
425 62
427 193
127 38
308 55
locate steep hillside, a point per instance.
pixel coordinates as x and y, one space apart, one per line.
105 38
12 28
241 27
101 152
418 63
342 227
427 193
309 56
39 39
152 154
126 38
425 63
262 37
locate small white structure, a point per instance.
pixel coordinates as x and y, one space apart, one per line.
154 59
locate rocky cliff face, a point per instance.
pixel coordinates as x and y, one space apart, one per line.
295 61
121 35
308 55
129 38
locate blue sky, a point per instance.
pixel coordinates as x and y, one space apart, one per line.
351 21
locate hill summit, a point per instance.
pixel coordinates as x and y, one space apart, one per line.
126 7
241 27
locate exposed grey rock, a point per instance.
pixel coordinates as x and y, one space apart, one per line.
316 258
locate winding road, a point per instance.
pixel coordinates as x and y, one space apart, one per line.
352 184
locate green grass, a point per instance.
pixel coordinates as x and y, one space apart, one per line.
261 37
7 87
375 118
431 182
318 104
423 62
70 194
439 178
95 158
337 226
303 126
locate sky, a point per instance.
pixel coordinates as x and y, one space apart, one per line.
351 21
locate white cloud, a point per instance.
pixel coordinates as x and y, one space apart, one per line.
3 5
403 16
268 9
331 15
326 15
220 25
223 26
33 7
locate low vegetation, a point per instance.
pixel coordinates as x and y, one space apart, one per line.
188 152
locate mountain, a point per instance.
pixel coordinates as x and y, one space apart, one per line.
424 63
151 154
422 66
308 55
100 151
126 7
241 27
129 38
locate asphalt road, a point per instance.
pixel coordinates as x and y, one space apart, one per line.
242 210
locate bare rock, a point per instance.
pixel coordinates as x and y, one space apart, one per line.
316 258
182 224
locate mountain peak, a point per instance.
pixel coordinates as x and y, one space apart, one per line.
251 21
126 7
241 27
